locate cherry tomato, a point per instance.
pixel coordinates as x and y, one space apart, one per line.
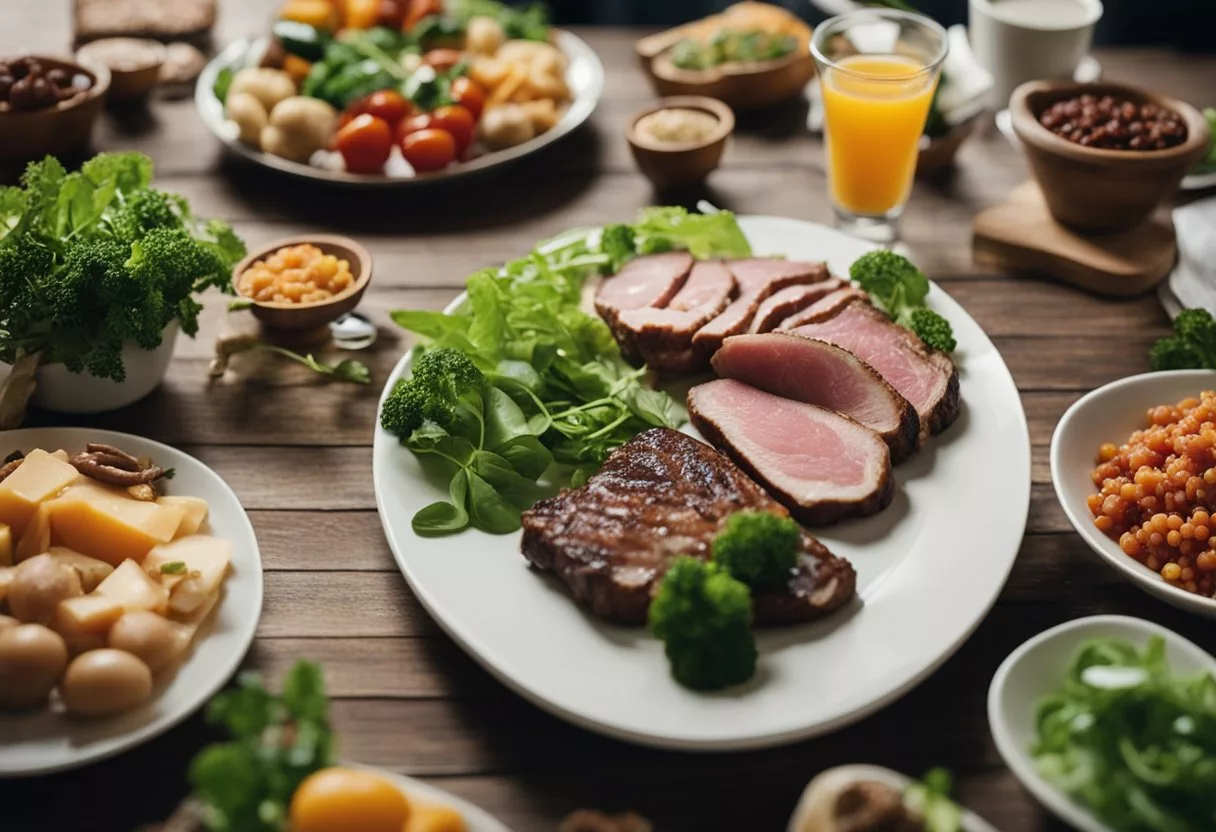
429 149
389 105
365 143
391 13
459 122
416 122
442 59
468 95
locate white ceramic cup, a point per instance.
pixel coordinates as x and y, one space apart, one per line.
1021 47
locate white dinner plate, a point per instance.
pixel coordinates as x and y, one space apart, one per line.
1110 414
45 741
584 76
476 819
929 568
1037 669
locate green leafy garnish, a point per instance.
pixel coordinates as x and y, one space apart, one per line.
758 548
930 799
246 784
349 369
899 288
530 22
223 80
175 567
731 46
1191 347
1208 163
1131 740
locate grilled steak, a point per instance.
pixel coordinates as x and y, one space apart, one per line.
661 495
820 465
662 338
789 301
757 278
926 378
652 280
820 373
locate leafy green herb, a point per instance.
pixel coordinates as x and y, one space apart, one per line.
758 548
301 39
1191 347
529 22
359 63
175 567
349 369
930 799
428 89
731 46
1131 740
223 81
703 617
899 288
94 260
246 784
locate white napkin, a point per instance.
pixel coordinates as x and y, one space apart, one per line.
1193 281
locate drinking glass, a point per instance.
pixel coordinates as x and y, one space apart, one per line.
878 69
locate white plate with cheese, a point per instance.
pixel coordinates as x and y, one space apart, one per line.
46 739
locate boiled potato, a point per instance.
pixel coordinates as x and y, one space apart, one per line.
246 111
83 621
487 73
148 637
6 580
91 570
505 125
268 86
104 682
38 586
484 35
299 127
32 657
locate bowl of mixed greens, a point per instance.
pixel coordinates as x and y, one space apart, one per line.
1110 722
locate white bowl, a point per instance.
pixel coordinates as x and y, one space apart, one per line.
63 391
1110 414
1037 668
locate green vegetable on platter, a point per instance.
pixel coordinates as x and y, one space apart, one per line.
731 46
930 799
1191 347
758 548
899 288
528 22
1208 163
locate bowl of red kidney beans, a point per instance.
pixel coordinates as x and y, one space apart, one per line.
1105 155
48 107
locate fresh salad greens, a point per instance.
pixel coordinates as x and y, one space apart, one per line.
1131 740
1191 347
521 375
246 783
730 46
530 22
1208 163
930 800
899 288
93 260
357 63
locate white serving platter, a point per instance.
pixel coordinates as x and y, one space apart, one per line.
476 819
1037 669
585 77
1110 414
46 741
929 569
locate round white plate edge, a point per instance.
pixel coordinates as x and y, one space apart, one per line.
117 745
1015 758
576 114
738 743
476 818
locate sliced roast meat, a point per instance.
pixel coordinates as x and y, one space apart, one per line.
661 495
825 307
652 280
792 299
757 279
926 378
820 465
662 338
822 374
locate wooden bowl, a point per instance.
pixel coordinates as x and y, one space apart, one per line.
1093 189
61 131
127 85
295 317
680 164
752 86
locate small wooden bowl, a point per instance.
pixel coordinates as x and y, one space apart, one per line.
296 317
1093 189
679 164
127 85
752 86
61 131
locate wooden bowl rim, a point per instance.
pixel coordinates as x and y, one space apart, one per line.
662 67
101 84
162 54
718 109
1026 122
361 268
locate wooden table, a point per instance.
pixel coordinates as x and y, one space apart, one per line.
298 452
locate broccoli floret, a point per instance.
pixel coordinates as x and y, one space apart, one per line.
703 616
890 279
617 241
145 211
758 548
933 329
443 380
1192 346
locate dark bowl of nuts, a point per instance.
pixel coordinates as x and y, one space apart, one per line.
1105 155
48 107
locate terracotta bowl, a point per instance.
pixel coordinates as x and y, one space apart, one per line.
1092 189
679 164
128 85
292 317
753 86
63 130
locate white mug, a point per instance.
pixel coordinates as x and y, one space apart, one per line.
1030 40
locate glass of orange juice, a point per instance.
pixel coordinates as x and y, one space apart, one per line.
878 69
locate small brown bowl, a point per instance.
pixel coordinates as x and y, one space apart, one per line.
1094 189
294 317
679 164
129 81
61 131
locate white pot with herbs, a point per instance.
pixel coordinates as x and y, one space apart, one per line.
99 272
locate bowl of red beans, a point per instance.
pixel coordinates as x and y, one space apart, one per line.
1105 155
48 107
1134 468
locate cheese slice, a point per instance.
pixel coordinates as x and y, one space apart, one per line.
195 508
108 524
40 477
131 587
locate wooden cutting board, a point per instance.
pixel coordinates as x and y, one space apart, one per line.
1020 235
